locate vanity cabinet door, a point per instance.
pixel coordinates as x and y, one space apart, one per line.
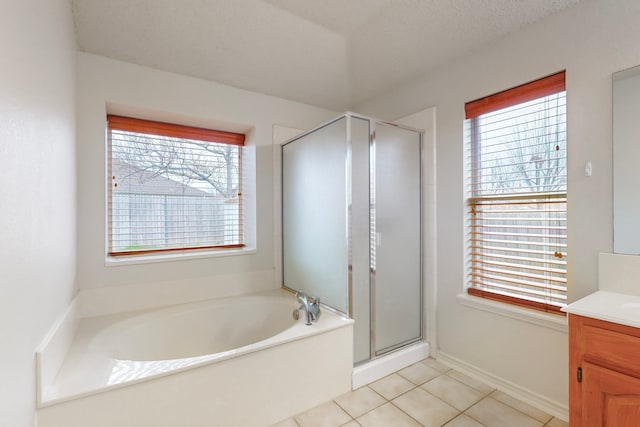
609 398
604 366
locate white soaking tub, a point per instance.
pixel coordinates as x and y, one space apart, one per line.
233 361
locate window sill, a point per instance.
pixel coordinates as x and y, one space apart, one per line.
550 321
112 261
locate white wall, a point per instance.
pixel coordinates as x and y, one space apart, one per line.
590 41
37 190
162 95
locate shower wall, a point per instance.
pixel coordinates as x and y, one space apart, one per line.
351 211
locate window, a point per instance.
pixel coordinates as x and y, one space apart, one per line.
517 204
172 187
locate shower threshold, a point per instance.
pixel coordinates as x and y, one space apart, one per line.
389 363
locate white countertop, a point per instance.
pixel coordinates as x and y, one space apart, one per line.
609 306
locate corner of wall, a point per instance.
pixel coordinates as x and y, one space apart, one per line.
51 353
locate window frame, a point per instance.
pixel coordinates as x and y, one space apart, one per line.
540 88
172 130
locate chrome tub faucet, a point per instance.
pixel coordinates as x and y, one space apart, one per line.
311 307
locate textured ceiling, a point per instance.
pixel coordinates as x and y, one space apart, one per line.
329 53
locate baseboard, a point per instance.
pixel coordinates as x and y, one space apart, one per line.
386 365
534 399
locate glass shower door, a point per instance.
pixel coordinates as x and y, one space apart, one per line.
396 238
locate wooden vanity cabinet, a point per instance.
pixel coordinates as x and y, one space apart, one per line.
604 373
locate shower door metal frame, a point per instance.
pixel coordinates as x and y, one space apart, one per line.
348 168
373 236
372 217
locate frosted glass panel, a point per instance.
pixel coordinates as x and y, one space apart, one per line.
314 215
397 287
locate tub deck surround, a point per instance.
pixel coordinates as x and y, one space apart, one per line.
252 390
115 351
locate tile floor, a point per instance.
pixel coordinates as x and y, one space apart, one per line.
424 394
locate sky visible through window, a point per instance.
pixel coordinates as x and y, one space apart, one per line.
523 148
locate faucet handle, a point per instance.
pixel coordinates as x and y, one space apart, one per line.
301 296
314 309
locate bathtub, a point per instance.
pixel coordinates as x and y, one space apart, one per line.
239 361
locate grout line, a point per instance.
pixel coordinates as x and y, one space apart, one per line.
414 386
400 409
420 387
403 393
465 385
373 409
549 422
469 415
446 403
469 385
460 414
508 406
387 400
522 412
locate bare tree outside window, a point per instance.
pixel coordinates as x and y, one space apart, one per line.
210 167
523 149
173 193
518 188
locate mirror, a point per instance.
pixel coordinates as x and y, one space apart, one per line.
626 158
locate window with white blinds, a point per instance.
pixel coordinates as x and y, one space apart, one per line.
172 187
517 205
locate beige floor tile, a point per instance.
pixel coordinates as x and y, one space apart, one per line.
424 394
326 415
419 373
290 422
556 422
438 366
387 415
492 413
392 386
453 392
536 413
463 421
470 381
425 407
360 401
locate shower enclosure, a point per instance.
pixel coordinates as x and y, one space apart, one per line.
352 232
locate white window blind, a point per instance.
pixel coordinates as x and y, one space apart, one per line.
172 187
517 221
